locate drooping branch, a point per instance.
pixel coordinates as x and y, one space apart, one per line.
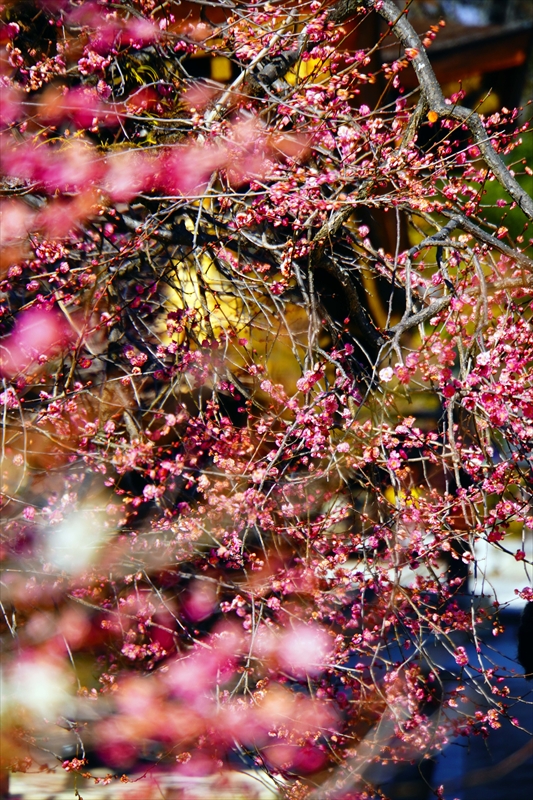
432 92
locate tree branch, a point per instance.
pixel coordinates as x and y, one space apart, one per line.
318 258
468 225
420 316
431 91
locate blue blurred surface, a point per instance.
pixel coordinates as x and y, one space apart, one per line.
498 768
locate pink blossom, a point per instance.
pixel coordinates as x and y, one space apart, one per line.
403 373
483 359
9 398
238 509
92 62
311 377
17 221
201 602
304 650
139 32
127 174
10 104
394 461
185 170
36 334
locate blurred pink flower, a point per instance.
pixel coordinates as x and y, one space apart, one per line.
139 32
186 170
294 146
75 166
304 650
16 221
201 602
199 95
10 104
127 173
306 759
37 334
194 676
81 104
61 215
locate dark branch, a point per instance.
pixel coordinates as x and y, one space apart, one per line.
319 258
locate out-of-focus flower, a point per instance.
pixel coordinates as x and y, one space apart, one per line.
62 215
139 32
193 677
127 173
186 170
279 708
304 650
38 684
16 221
199 95
201 602
10 104
73 167
294 146
36 336
77 542
82 105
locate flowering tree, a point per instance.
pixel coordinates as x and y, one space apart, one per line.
251 439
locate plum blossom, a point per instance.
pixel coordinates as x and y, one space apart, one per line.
386 374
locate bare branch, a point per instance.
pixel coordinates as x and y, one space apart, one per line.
420 316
